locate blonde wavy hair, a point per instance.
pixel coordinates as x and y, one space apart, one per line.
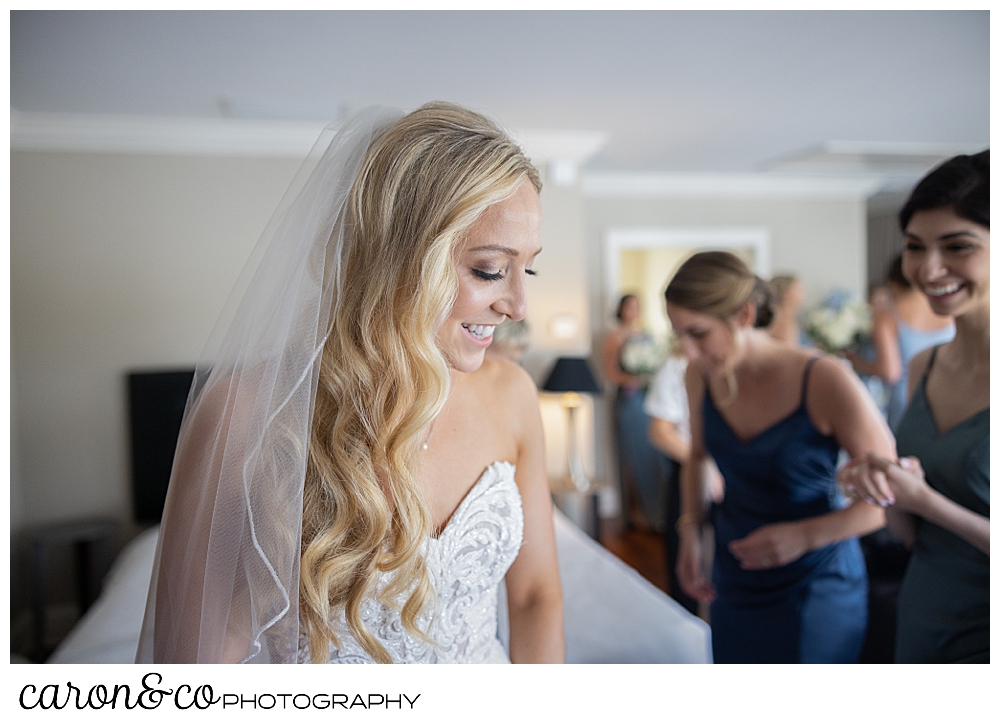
382 378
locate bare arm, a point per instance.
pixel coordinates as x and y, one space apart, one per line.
534 592
910 495
690 556
902 524
839 406
868 482
887 363
914 495
612 363
666 438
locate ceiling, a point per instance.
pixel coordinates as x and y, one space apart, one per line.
675 91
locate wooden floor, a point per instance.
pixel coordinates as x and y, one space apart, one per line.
643 551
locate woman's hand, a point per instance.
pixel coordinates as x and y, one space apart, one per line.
863 481
887 482
771 546
690 565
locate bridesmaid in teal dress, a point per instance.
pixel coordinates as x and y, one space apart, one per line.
937 495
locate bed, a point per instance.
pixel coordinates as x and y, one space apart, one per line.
612 614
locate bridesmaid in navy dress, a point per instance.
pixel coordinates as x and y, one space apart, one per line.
788 582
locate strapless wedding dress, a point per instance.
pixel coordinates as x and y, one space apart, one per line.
467 563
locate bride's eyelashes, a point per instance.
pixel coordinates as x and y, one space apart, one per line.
497 276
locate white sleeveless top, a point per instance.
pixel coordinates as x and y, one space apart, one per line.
466 563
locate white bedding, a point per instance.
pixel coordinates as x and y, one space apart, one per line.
612 614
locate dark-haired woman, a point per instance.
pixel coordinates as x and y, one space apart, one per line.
788 581
629 358
937 495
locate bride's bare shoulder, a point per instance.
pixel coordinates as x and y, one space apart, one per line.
504 382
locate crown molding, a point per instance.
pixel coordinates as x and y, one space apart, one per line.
545 146
161 135
626 185
85 133
887 158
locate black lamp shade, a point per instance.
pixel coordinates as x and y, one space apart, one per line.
571 374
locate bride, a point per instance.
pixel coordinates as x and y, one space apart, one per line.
353 480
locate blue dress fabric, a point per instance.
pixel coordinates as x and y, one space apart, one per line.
814 609
648 469
911 342
944 600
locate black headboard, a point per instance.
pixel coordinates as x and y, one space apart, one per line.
156 405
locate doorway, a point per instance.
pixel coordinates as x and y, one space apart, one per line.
641 261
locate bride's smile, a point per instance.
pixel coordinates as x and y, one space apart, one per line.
492 265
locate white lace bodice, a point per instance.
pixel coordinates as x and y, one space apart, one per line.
467 563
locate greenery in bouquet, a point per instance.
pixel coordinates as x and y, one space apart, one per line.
838 322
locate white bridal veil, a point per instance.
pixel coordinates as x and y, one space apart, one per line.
226 578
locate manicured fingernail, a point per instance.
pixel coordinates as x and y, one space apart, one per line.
906 463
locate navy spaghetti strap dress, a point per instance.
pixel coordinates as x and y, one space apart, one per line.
813 609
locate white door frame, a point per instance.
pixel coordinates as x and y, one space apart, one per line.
684 237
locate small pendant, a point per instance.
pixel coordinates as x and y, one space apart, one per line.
424 446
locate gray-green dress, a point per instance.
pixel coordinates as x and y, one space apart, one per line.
944 601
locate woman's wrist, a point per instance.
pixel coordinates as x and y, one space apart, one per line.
688 521
807 529
922 503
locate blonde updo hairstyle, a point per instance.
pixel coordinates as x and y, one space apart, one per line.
382 378
719 284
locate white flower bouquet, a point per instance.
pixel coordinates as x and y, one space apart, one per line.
642 356
838 322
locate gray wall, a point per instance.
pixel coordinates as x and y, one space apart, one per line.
118 262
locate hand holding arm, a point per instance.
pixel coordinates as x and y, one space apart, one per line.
909 492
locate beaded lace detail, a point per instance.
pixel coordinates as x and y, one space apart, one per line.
467 563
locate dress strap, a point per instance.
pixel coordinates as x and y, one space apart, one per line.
927 372
930 362
805 379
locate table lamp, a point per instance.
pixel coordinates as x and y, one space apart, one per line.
571 376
